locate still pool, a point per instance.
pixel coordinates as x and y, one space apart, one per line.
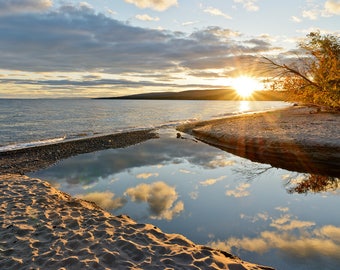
262 214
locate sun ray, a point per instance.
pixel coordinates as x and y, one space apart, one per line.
245 86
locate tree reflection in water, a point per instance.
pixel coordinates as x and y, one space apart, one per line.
308 183
313 184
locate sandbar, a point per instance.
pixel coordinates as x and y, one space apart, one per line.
297 138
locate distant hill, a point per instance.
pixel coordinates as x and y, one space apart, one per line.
215 94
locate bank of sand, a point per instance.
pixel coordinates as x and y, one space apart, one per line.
43 228
297 138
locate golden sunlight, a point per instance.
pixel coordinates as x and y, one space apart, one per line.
245 85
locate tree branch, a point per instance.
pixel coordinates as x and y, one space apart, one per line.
288 69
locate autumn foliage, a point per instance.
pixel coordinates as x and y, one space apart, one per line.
314 76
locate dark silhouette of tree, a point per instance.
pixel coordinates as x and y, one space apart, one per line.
314 76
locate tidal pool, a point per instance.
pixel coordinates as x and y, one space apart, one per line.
265 215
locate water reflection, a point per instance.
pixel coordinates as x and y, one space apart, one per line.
104 199
212 197
313 184
240 191
244 106
293 239
160 197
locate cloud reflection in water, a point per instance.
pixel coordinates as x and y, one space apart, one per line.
160 197
240 191
293 238
104 199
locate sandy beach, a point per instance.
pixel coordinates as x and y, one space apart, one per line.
43 228
297 138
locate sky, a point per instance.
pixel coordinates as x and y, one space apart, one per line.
97 48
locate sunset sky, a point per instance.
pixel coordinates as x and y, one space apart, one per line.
52 48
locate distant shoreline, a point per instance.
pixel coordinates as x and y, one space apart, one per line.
213 94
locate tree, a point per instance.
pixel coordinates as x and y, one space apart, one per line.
313 77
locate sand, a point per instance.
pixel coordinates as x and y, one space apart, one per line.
296 138
43 228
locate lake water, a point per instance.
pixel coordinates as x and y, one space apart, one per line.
265 215
30 122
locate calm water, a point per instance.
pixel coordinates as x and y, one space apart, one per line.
213 198
26 122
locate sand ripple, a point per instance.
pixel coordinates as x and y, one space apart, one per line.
43 228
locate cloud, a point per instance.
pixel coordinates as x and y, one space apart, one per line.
110 11
240 191
256 218
189 23
91 42
160 197
305 246
297 241
296 19
249 5
217 12
311 14
9 7
212 181
332 7
314 11
285 223
159 5
220 161
74 38
146 175
146 17
282 209
186 171
312 246
104 199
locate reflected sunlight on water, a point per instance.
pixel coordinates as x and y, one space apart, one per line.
212 197
244 106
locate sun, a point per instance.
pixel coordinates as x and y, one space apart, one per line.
245 85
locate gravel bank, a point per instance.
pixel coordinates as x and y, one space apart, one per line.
33 158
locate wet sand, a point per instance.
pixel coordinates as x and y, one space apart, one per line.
297 138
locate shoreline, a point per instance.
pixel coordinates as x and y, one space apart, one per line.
30 159
294 138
